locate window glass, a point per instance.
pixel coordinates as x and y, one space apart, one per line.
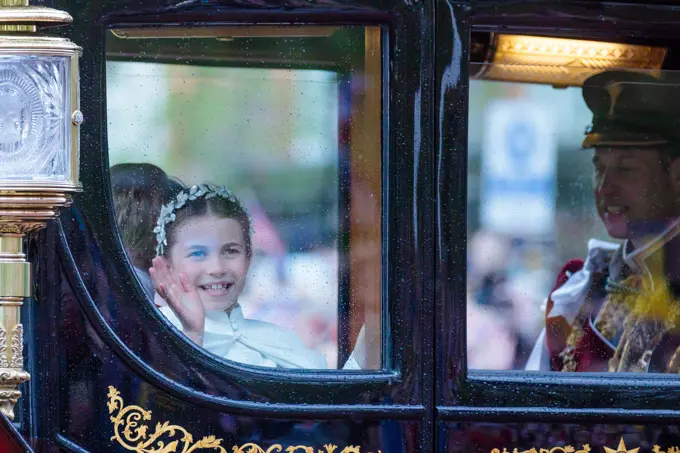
264 145
573 222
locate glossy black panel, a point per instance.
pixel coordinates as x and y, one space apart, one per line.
451 184
39 425
611 21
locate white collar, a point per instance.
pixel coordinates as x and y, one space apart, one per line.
636 259
218 321
253 342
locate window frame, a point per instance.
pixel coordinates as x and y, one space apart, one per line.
521 395
374 376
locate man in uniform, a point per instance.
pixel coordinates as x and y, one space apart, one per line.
620 309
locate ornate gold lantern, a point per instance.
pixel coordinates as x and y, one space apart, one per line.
39 148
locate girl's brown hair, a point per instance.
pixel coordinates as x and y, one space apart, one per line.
139 191
223 208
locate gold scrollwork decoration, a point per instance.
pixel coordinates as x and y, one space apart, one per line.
17 347
20 228
134 436
565 449
3 348
11 228
8 399
276 448
658 449
9 376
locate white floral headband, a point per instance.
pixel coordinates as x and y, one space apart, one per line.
206 191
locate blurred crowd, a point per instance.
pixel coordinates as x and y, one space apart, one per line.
508 281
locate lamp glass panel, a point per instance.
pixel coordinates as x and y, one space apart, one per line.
35 118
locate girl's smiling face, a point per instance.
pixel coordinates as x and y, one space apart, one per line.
212 252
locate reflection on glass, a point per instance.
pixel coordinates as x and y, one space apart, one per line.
289 122
33 133
574 238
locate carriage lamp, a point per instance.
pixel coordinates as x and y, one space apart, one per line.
39 149
560 62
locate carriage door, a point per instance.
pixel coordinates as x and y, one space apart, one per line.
316 119
521 145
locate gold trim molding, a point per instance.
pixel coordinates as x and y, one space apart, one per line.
276 448
227 32
27 203
621 448
34 15
565 449
535 50
11 372
133 436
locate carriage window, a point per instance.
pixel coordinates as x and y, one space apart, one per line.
246 178
574 220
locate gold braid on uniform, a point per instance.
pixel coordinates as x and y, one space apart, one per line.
568 355
655 313
617 306
644 314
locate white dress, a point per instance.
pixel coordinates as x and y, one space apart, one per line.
253 342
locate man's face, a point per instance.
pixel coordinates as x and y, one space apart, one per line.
632 189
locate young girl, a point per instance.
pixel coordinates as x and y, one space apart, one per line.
203 255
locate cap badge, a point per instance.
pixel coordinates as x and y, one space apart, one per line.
614 89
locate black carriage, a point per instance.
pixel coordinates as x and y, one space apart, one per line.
372 141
